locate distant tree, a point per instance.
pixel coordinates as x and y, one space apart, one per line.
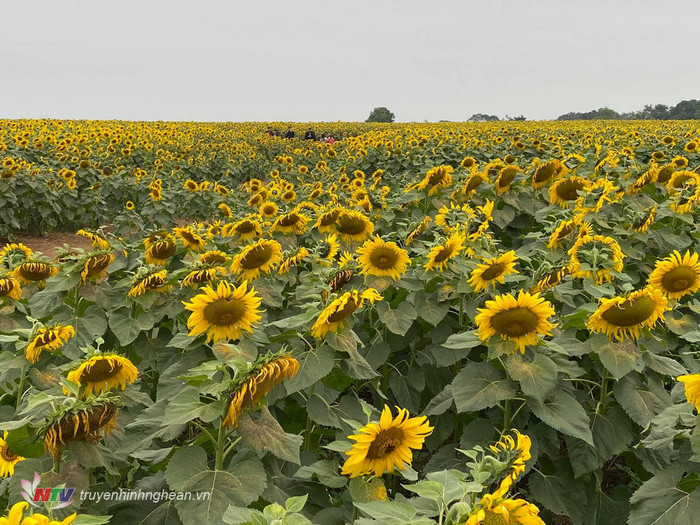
521 118
685 110
380 114
483 117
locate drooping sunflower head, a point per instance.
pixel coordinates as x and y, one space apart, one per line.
677 275
294 223
354 226
440 255
506 175
224 312
152 281
551 279
214 257
95 265
325 221
566 191
255 258
264 375
10 287
190 238
333 317
418 230
380 447
594 257
546 172
522 320
35 271
622 317
294 260
103 372
642 224
436 179
159 249
382 259
8 459
515 451
48 339
563 229
474 180
98 241
493 271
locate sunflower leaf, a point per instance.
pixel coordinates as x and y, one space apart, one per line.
660 500
479 386
562 412
265 433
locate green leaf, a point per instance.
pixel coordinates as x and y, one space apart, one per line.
562 412
327 472
462 340
313 366
618 358
240 484
127 327
641 402
399 320
659 501
388 511
362 491
429 309
24 441
296 503
266 433
560 493
186 406
537 378
479 386
693 337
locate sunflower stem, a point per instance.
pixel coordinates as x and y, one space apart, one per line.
600 409
506 417
20 387
203 429
220 444
230 448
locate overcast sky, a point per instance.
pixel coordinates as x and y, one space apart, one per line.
219 60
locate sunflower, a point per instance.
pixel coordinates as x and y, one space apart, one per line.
267 373
505 177
103 372
154 281
202 275
11 249
129 205
564 191
691 382
600 254
475 180
190 185
551 280
35 271
480 224
514 451
680 162
225 312
494 509
97 240
677 275
291 223
246 229
48 339
418 230
435 179
261 256
493 271
214 257
440 255
225 210
665 173
468 162
95 265
8 459
381 447
522 320
268 209
354 226
158 251
256 200
190 238
294 260
340 279
333 316
546 172
454 217
382 259
36 518
622 317
10 287
642 225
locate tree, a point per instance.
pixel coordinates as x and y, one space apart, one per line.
380 114
482 117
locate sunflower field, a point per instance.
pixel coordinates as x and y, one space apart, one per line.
448 323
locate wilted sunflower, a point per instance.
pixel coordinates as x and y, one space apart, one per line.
563 230
418 230
35 271
565 191
646 178
103 372
515 452
291 223
551 280
336 283
268 209
203 275
333 316
79 420
159 246
261 256
95 265
293 260
265 374
495 509
225 312
622 317
190 238
48 339
691 383
97 240
8 460
642 225
440 255
601 254
12 249
505 177
522 320
493 271
381 447
383 259
214 257
10 287
436 178
154 281
546 172
354 226
677 275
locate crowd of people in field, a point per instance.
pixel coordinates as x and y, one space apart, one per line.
310 134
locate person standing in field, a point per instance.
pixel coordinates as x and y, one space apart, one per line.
310 134
289 134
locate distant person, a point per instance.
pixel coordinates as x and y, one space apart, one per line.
290 134
310 134
330 139
268 131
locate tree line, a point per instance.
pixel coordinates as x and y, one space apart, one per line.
684 110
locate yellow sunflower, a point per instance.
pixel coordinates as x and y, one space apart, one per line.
225 312
354 226
291 223
214 257
566 191
522 320
551 280
190 238
381 447
418 230
36 518
494 509
622 317
383 259
546 172
13 248
642 225
563 230
261 256
514 451
333 316
97 240
440 255
154 281
95 265
35 271
103 372
436 178
601 254
263 377
691 383
677 275
292 261
475 180
454 217
190 185
505 177
48 339
246 229
10 287
8 460
268 209
202 275
493 271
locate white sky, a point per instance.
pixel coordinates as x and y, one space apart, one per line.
218 60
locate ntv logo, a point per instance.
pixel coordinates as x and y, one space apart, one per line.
33 494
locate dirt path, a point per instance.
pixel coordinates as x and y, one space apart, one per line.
50 244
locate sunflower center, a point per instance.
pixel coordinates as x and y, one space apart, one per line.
7 455
385 442
495 518
47 338
678 279
245 227
346 311
568 190
189 237
35 271
101 371
436 177
631 313
256 257
443 254
493 271
515 322
507 176
289 220
383 258
163 249
225 312
351 225
665 174
545 172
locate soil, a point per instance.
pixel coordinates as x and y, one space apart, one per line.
51 243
